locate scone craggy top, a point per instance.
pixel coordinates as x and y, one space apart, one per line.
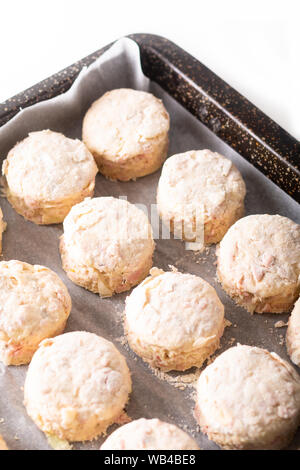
175 311
76 378
33 301
249 394
107 233
260 254
120 124
47 166
200 180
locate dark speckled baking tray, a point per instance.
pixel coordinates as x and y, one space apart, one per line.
218 106
197 89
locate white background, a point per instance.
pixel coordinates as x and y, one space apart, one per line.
253 45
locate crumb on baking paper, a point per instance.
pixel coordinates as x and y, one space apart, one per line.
186 380
180 387
173 268
197 248
227 323
280 324
120 313
122 340
281 340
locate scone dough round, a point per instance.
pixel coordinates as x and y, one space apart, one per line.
127 132
293 334
174 321
259 263
200 195
107 245
76 386
248 398
35 304
3 445
46 174
149 434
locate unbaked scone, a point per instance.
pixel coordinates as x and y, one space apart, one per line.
127 132
174 321
200 195
46 174
34 305
76 386
259 263
149 434
2 229
293 334
107 245
249 398
3 445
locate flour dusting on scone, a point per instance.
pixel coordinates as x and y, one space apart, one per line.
259 263
46 174
200 195
249 398
127 132
149 434
174 321
76 386
107 245
35 304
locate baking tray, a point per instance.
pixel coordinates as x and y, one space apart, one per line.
213 115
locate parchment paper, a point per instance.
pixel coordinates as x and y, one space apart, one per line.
151 396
